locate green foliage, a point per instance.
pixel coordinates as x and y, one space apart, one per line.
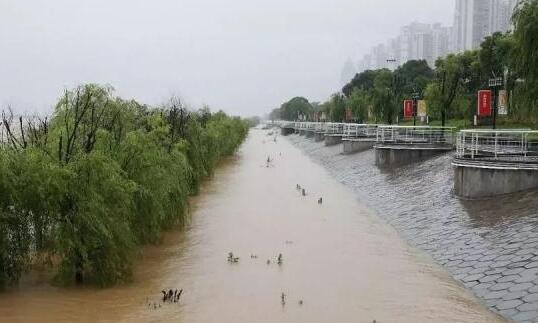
525 57
80 193
359 102
364 81
384 97
413 76
337 107
295 108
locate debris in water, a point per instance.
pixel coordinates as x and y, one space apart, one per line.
231 258
304 192
178 295
320 201
254 256
283 299
279 259
268 261
300 302
298 187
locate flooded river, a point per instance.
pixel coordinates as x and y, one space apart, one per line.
339 258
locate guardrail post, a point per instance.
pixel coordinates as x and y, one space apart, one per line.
496 140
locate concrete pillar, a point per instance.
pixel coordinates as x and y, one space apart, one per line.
474 182
286 131
319 136
357 145
396 155
331 140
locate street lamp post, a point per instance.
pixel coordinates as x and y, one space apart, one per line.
495 83
415 97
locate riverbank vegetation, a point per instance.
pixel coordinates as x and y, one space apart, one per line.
82 191
450 88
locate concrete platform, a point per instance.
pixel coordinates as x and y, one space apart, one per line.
476 179
387 155
309 134
357 145
286 131
319 136
331 140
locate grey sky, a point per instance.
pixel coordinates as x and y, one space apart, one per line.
244 56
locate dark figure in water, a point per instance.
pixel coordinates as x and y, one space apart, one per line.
178 296
304 192
298 187
320 201
283 299
165 295
170 294
175 293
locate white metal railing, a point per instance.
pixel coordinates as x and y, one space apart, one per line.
321 127
415 135
496 144
334 128
356 130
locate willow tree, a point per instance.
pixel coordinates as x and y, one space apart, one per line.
525 21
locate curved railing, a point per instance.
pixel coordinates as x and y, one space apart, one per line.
416 135
510 145
355 130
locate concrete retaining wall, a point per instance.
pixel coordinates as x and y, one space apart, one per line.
319 136
475 183
389 156
331 140
355 146
286 131
309 134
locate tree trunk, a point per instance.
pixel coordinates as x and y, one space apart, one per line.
79 267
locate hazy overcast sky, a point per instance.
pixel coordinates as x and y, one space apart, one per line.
243 56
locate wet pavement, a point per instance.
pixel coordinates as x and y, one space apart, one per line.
490 246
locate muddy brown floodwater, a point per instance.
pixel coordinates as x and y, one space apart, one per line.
344 263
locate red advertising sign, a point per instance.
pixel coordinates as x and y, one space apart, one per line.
408 108
484 103
349 114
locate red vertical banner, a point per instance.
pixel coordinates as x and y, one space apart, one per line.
484 103
408 109
349 114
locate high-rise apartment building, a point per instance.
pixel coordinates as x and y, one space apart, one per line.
476 19
473 21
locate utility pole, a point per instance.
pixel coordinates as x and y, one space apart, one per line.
494 84
416 96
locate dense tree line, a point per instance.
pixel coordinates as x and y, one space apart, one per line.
450 89
79 193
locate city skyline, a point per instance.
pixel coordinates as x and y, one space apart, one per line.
473 21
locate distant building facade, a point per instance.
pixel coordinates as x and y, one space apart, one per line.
473 21
476 19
